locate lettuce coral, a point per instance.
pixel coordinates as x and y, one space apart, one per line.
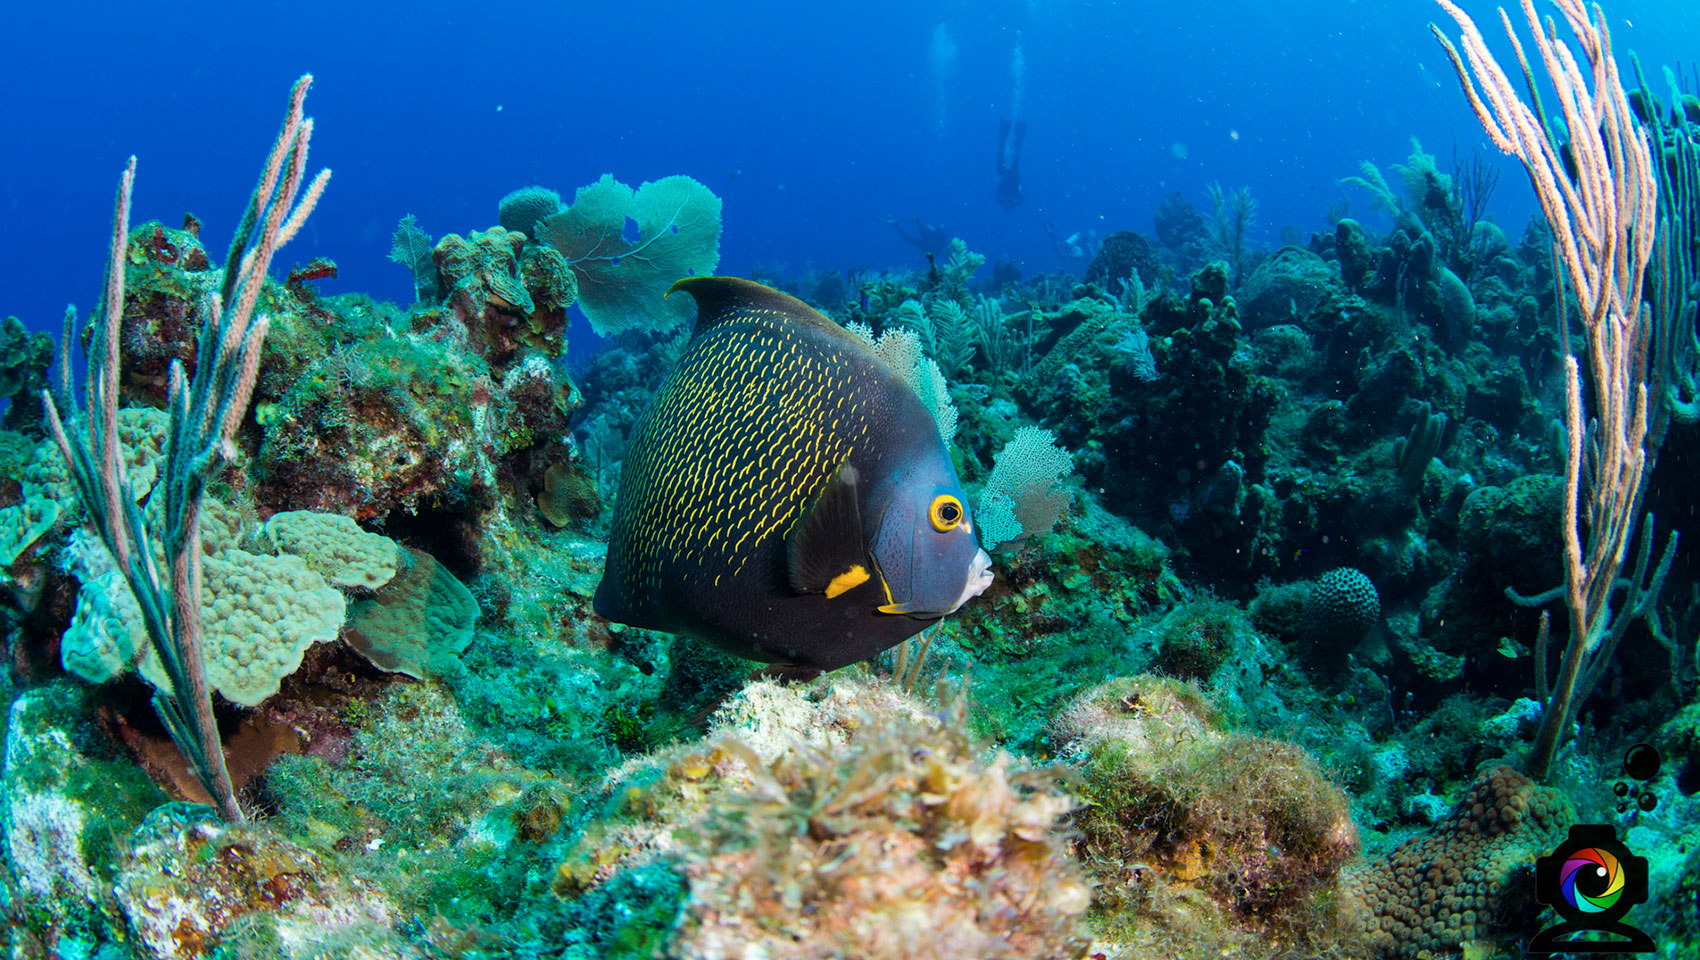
416 622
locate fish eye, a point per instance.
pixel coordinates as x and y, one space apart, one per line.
945 513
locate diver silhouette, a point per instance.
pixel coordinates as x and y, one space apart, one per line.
928 237
1076 250
1010 135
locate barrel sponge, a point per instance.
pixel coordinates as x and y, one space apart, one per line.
416 622
335 547
1343 608
520 210
1469 881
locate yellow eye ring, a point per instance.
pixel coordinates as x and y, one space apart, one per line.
945 513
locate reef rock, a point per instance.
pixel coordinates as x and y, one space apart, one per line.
192 883
63 807
1286 288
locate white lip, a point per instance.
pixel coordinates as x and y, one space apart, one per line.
979 578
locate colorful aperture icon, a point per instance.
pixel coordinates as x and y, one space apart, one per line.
1591 881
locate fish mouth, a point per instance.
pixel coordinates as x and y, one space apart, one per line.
979 578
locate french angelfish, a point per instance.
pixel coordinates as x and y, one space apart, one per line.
786 497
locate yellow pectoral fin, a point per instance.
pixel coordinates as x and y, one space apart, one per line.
897 608
848 580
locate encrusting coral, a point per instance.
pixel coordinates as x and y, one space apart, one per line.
417 622
1469 883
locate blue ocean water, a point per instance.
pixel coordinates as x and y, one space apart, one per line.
814 122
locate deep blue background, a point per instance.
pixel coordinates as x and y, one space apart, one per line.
832 117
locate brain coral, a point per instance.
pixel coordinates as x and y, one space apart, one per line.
520 210
1343 608
1469 882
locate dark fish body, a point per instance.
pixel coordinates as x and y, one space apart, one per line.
768 501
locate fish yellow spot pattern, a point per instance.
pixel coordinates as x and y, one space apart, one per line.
769 408
746 432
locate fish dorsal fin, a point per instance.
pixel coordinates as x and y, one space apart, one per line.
723 299
824 552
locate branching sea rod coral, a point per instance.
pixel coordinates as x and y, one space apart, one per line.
205 412
1604 221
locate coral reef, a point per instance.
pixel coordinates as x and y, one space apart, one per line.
24 358
904 843
1123 256
191 883
834 819
1246 682
70 801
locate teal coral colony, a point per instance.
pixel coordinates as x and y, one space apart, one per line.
1204 597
